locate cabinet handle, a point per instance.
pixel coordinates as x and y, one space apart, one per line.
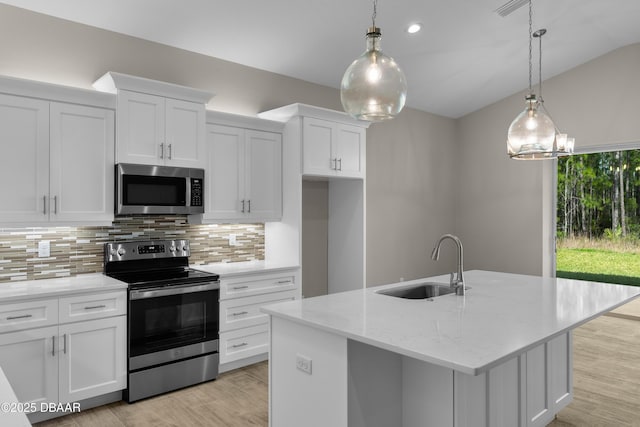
24 316
91 307
334 163
55 205
162 151
282 282
241 313
44 205
242 205
64 343
53 345
169 157
249 204
240 287
239 345
340 167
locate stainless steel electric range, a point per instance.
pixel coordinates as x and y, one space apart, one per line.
173 316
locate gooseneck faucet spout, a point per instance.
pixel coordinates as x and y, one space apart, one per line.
456 283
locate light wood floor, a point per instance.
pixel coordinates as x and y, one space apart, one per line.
235 399
606 375
606 390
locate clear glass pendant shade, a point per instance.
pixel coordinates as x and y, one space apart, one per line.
374 87
532 134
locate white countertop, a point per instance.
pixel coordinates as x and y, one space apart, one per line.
14 291
501 316
229 269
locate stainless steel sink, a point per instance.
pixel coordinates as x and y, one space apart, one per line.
419 291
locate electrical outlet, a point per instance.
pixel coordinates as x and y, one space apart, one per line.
232 240
303 363
44 249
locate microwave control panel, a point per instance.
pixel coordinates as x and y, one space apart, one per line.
196 192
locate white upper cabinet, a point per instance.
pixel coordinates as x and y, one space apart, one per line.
332 149
60 167
263 184
24 165
81 167
158 123
243 174
153 130
333 143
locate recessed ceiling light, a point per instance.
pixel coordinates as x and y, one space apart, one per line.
414 28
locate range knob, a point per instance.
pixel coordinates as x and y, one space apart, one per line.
121 251
185 247
172 248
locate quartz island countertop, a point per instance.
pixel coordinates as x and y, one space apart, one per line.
502 315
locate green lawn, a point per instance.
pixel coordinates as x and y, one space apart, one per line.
599 265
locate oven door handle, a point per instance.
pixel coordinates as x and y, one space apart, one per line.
172 290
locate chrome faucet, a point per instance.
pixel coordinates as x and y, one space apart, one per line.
456 284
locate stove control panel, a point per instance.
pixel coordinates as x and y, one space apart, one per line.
151 249
147 249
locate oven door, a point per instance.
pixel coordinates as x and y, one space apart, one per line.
172 323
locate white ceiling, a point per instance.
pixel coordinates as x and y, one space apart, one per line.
466 56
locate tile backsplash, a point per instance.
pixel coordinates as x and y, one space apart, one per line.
78 250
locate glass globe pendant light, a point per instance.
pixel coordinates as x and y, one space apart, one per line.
374 87
532 134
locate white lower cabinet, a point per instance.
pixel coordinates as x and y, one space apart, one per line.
244 329
526 391
243 343
29 361
66 361
92 362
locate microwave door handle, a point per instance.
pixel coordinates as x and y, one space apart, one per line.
187 195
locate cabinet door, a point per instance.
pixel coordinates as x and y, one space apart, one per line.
561 371
264 175
350 151
140 128
317 141
225 176
548 380
185 134
82 159
30 362
92 358
24 164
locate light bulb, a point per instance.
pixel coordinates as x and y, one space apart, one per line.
374 74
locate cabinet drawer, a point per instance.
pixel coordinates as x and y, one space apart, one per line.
243 343
244 312
255 285
25 315
93 306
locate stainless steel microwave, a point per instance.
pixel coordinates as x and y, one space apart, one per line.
147 189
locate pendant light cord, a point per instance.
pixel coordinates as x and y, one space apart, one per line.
530 46
375 12
541 33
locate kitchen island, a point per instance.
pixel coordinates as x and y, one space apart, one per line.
499 356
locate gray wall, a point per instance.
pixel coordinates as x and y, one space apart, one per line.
503 209
411 186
